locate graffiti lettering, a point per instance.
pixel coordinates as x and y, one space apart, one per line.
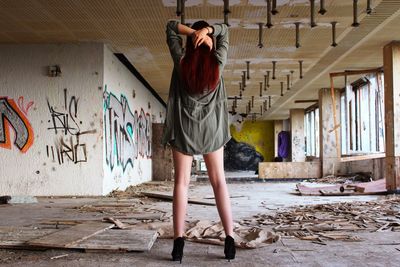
67 123
12 117
72 150
127 135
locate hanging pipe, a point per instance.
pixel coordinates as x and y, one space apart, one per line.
322 9
355 12
274 11
312 13
269 15
260 33
273 70
301 68
297 34
333 33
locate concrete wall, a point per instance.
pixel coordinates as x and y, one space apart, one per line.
52 138
259 134
129 110
298 149
51 127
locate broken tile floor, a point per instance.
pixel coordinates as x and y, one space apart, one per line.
248 199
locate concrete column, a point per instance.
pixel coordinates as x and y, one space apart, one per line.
298 151
278 127
391 65
329 131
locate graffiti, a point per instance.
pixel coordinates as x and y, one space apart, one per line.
67 122
127 135
11 116
71 150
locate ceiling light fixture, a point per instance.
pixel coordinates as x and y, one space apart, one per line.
281 88
248 70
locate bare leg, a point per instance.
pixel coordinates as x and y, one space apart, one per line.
215 168
182 165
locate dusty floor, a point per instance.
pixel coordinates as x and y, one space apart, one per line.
250 198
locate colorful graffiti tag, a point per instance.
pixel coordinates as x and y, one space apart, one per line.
12 117
68 147
127 135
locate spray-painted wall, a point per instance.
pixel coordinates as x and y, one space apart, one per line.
259 134
129 110
50 127
52 134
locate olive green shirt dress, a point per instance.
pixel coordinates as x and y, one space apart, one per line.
196 124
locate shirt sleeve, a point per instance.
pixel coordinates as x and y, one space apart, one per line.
174 41
222 35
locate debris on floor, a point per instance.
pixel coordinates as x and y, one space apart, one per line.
337 221
367 188
90 237
358 177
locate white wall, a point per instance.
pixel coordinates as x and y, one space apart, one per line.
26 87
37 159
127 147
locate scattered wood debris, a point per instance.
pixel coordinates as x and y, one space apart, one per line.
358 177
90 237
370 188
337 221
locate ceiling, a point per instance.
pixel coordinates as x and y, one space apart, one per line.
136 28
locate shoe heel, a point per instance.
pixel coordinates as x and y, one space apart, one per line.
230 250
177 251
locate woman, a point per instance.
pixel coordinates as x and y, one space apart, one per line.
197 119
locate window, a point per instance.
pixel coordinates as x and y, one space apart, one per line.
362 118
312 132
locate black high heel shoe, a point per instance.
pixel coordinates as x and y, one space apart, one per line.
230 250
177 251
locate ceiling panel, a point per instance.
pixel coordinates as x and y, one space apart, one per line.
137 29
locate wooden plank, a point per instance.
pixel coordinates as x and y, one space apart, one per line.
70 236
119 240
17 237
168 196
283 170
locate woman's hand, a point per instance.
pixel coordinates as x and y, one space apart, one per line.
199 37
208 42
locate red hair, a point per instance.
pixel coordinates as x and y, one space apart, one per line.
200 69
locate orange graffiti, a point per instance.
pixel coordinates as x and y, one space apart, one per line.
11 117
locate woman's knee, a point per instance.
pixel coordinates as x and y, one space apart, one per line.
182 180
